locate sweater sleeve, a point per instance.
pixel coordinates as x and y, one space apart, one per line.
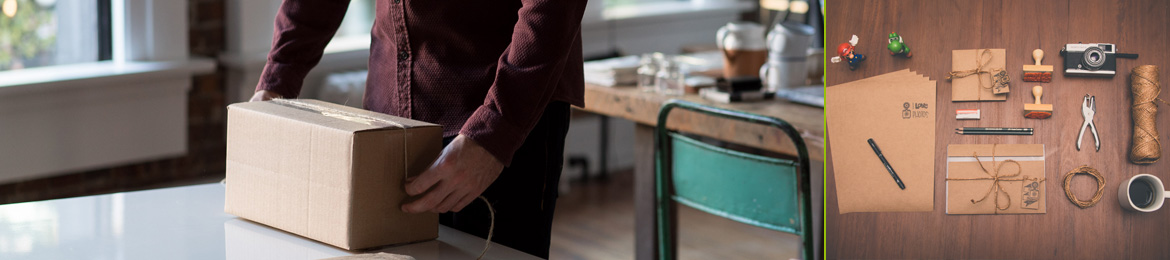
302 29
527 75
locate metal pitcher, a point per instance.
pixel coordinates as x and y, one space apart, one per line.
788 52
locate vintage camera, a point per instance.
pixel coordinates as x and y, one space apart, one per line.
1092 59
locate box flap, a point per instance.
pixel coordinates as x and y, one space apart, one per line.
330 115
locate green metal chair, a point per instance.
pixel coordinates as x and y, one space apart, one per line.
762 191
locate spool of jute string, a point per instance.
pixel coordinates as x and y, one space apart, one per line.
1146 148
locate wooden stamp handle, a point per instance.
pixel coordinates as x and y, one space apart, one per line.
1037 55
1037 91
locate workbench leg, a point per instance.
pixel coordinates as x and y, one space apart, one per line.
645 241
603 147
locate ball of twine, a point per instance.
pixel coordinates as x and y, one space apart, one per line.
1084 169
1146 148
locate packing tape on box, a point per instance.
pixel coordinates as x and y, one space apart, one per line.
335 113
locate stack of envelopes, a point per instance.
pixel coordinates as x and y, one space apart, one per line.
896 110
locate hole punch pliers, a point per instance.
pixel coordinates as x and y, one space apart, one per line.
1088 110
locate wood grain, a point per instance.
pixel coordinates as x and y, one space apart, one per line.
640 107
932 29
594 220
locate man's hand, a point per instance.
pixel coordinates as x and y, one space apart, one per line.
264 95
462 172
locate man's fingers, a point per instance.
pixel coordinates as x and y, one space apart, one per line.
467 200
424 181
264 95
449 202
429 200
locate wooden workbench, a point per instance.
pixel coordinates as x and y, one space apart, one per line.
932 29
642 108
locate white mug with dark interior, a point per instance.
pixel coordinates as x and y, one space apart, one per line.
1143 193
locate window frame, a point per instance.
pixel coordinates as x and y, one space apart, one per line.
101 29
132 108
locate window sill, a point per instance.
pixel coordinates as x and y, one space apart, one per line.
80 117
55 78
342 53
669 11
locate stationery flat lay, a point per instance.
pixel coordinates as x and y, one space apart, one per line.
1055 150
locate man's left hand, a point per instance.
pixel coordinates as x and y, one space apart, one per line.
463 171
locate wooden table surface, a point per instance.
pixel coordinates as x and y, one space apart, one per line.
932 29
630 103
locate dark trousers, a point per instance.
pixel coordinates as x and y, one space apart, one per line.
525 194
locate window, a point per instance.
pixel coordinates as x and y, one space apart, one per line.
617 3
37 33
359 19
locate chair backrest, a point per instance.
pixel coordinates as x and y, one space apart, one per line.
767 192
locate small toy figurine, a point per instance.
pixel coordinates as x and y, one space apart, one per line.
845 51
897 47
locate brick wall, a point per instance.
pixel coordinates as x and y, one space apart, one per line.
206 122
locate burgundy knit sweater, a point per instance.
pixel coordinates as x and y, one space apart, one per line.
485 69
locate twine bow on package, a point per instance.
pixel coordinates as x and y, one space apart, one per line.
978 75
995 179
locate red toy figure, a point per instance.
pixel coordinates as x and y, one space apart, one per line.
845 51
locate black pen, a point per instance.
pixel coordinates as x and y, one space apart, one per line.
886 163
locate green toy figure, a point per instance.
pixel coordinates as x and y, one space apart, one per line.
897 47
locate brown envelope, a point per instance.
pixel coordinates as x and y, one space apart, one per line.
968 88
1022 194
898 111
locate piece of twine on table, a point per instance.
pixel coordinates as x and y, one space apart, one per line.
979 64
1084 169
1146 148
996 178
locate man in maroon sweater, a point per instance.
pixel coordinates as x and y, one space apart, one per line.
499 76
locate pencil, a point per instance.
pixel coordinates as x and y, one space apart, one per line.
975 132
996 129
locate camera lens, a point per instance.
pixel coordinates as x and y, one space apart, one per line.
1094 58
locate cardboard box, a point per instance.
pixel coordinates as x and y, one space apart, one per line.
328 172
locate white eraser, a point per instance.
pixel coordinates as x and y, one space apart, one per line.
967 114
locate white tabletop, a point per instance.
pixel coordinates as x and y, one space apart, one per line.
182 223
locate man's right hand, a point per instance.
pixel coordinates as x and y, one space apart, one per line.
264 95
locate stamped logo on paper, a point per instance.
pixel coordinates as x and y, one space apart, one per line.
1031 195
915 110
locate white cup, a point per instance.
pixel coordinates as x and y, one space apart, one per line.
1157 196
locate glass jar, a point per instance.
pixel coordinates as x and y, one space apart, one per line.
670 77
647 71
